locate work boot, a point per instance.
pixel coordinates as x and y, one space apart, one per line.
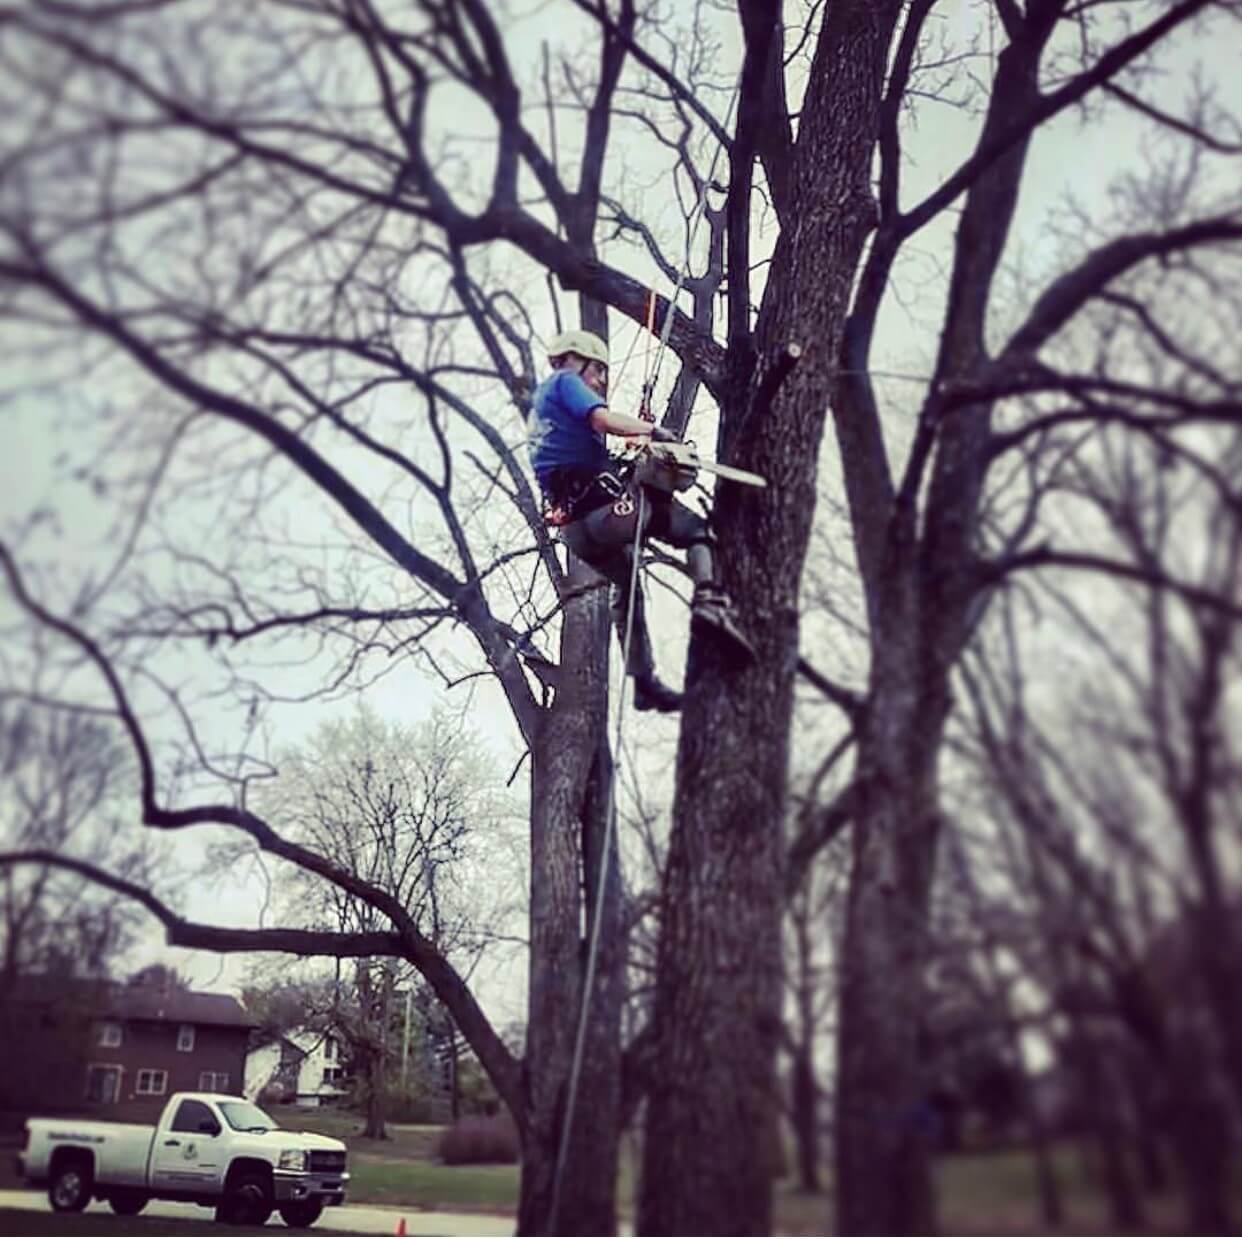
712 609
650 694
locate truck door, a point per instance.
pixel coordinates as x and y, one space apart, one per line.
187 1154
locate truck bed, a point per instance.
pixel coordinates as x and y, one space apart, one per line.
121 1150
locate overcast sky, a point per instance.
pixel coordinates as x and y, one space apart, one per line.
1070 157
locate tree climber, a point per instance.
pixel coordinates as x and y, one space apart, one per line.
594 501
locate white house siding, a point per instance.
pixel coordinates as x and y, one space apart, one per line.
261 1065
322 1054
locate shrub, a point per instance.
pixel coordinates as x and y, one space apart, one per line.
477 1140
415 1107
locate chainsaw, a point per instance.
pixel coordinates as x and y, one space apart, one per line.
670 466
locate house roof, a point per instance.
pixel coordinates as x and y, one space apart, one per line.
110 999
262 1041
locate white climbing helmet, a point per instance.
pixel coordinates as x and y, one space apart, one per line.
585 343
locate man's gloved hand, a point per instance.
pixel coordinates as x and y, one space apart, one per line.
661 434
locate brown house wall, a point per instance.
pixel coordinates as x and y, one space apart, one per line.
147 1044
45 1055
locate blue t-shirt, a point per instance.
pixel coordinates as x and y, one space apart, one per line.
559 426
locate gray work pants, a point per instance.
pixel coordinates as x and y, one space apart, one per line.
605 539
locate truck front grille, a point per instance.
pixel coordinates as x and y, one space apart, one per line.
324 1161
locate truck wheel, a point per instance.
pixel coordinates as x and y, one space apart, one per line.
301 1214
247 1200
70 1188
127 1204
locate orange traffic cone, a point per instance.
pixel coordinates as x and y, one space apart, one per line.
401 1227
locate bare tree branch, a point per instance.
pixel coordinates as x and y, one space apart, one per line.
192 935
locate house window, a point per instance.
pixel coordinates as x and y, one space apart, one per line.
151 1083
103 1083
109 1033
185 1038
213 1081
329 1049
332 1075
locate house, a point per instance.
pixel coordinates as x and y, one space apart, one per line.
71 1044
303 1067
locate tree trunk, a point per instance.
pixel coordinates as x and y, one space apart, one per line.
884 1184
569 786
373 1017
1196 1121
717 1002
718 990
376 1110
919 568
806 1118
1051 1209
1192 1116
1142 1084
1202 1144
1214 941
454 1090
1108 1130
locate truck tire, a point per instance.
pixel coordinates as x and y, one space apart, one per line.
247 1200
69 1190
302 1213
128 1202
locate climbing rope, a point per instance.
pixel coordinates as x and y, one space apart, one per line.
588 981
601 881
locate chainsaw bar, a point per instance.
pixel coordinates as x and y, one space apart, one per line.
683 455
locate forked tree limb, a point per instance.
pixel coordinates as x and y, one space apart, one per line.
450 988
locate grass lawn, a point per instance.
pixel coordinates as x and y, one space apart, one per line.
403 1170
429 1185
995 1194
979 1194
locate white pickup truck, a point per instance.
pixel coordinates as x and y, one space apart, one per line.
208 1148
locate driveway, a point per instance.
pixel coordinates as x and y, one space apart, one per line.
352 1219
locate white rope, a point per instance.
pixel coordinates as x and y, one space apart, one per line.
588 980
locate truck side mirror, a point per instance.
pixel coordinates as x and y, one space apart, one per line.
209 1127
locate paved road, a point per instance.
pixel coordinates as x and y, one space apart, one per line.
354 1219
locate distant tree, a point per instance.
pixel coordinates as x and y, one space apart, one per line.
159 976
277 1003
414 811
61 780
1102 908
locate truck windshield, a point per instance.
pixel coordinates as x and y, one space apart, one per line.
242 1116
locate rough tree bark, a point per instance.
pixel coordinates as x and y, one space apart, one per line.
718 990
568 794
